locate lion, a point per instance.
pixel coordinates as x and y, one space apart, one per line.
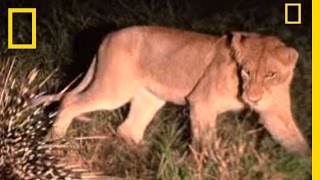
149 66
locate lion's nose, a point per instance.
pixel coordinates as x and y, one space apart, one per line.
254 94
253 91
254 97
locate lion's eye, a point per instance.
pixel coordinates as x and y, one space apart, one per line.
271 75
245 72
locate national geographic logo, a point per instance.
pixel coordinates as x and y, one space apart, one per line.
292 10
33 44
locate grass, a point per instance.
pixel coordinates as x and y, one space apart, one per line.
243 149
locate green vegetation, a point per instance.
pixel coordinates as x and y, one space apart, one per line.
243 149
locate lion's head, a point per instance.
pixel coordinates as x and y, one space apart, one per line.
266 65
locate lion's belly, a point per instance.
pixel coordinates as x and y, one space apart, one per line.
170 92
171 85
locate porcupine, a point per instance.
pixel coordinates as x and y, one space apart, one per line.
24 152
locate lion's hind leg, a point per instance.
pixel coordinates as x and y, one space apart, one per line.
92 99
144 106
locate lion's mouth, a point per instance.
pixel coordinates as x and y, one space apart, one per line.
251 103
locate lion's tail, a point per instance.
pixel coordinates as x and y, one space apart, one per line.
87 78
79 88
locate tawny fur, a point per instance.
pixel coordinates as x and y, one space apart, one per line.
149 66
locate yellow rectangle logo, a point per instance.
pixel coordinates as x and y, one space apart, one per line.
287 5
33 44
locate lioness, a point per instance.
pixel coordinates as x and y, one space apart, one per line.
149 66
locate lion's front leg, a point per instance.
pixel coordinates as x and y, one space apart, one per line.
279 122
203 125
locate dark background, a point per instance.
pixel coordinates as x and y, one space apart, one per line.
208 16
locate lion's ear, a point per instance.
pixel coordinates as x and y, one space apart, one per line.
237 45
289 55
